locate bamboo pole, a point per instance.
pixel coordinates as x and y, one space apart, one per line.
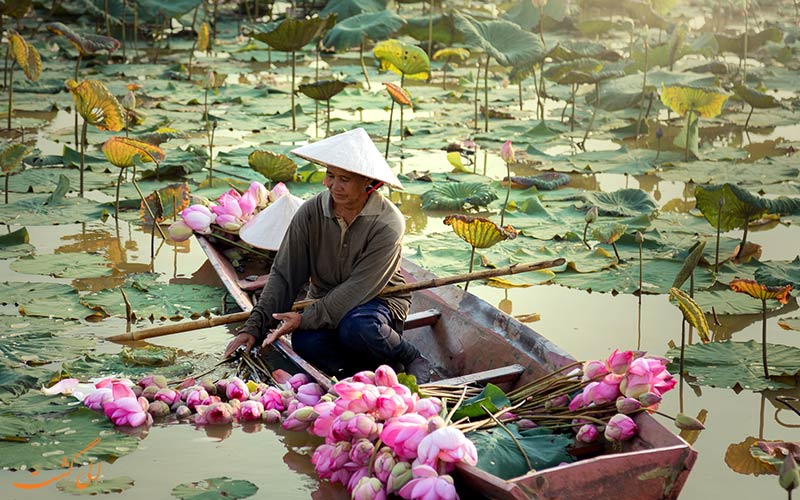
200 324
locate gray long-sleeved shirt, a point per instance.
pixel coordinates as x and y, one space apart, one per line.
347 265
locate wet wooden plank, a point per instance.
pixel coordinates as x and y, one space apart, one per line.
496 376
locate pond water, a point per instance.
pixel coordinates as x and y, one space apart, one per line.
589 325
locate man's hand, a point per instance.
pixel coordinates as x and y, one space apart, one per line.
289 322
243 339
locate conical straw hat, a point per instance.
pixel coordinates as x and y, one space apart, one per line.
267 228
353 151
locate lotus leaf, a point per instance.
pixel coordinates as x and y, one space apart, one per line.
491 397
505 41
14 382
456 195
149 355
154 11
97 105
444 29
738 209
215 488
778 273
322 90
16 9
102 486
730 302
628 202
755 98
170 200
574 71
102 365
689 264
43 299
350 32
275 167
739 458
737 364
736 44
344 9
681 99
26 56
404 59
292 34
64 265
479 231
501 454
85 44
451 53
691 312
124 152
79 433
609 233
625 278
11 157
761 291
570 50
15 243
398 94
526 14
39 340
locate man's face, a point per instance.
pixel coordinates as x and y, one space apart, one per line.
346 187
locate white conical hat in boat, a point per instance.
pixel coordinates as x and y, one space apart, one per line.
353 151
267 228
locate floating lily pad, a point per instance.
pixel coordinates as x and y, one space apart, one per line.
83 265
777 273
40 341
34 403
621 203
101 487
83 432
215 488
737 364
456 195
149 355
739 458
34 210
730 302
15 243
102 365
44 299
16 380
499 453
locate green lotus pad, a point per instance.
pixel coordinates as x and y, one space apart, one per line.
38 340
737 365
215 488
101 487
44 299
15 244
136 365
64 265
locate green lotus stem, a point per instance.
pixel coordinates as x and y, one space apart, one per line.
644 89
486 95
361 58
294 119
764 336
5 63
681 361
239 245
389 132
508 193
8 174
519 89
719 225
539 106
541 23
744 239
11 96
572 116
616 252
194 44
594 113
475 99
686 146
116 203
430 29
82 154
471 262
511 434
522 390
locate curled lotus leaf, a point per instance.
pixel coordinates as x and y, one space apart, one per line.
759 291
506 42
682 99
322 90
11 157
451 53
26 56
398 94
455 195
755 98
402 58
124 152
275 167
479 231
85 44
547 181
609 233
97 105
203 36
729 206
692 312
293 34
565 72
372 25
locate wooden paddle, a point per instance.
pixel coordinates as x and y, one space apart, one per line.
199 324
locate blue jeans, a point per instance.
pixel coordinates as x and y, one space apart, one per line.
366 338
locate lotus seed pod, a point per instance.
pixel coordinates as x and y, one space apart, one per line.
158 409
183 411
209 386
149 392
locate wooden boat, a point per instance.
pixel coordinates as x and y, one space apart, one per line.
468 340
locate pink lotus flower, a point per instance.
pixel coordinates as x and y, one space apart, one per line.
297 380
368 488
271 399
237 389
628 405
389 404
309 394
647 375
125 408
199 218
249 200
446 444
168 396
365 377
215 414
619 362
300 419
507 152
386 376
601 392
328 458
356 474
272 416
650 399
594 370
210 400
577 402
250 411
361 451
403 434
428 485
428 407
159 381
259 193
620 428
278 190
327 413
383 464
179 231
588 433
97 398
228 211
193 396
351 425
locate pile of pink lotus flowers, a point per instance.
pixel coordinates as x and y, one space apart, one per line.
229 212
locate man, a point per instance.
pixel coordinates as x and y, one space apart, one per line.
346 241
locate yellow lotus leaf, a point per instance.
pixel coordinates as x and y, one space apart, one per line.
398 93
123 151
451 53
763 292
454 157
26 56
97 105
739 458
692 312
705 102
478 231
203 37
402 58
167 202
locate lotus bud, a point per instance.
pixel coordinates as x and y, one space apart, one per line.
789 473
149 392
293 405
250 411
168 396
383 464
435 423
361 451
593 370
178 231
649 399
526 423
577 402
355 476
562 400
591 215
368 488
298 379
129 101
639 237
159 381
210 81
158 409
96 399
507 152
588 433
278 190
137 391
688 423
628 405
259 193
209 385
183 411
210 400
309 394
272 416
400 475
300 419
428 407
215 414
619 362
620 428
386 376
287 396
222 385
237 389
365 377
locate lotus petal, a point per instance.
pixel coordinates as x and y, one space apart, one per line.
124 152
479 231
275 167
